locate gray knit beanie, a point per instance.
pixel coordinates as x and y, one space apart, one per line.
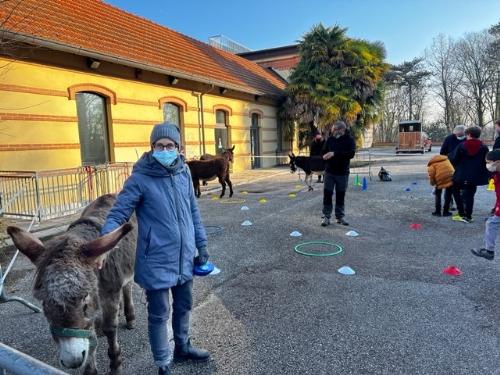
165 130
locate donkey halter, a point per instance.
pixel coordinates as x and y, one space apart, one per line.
76 333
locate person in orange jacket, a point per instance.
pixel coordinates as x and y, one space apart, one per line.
441 176
493 223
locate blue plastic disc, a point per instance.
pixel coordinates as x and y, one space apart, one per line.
204 269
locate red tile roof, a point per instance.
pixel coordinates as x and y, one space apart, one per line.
94 27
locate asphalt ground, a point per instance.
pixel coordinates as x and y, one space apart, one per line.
272 311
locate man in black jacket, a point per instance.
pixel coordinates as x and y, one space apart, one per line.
449 145
497 132
316 147
469 160
338 151
453 140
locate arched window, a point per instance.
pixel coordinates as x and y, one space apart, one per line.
221 133
172 114
255 140
92 128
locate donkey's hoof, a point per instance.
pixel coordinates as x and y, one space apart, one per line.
116 371
89 370
130 324
310 188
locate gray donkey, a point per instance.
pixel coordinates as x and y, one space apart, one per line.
76 273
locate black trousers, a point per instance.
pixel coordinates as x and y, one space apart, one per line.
448 193
464 198
339 185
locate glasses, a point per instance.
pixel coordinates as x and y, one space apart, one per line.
162 147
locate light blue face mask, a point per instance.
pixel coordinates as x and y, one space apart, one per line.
166 157
461 137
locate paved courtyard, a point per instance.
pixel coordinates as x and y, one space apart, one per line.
272 311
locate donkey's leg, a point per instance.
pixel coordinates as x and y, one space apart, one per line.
196 187
223 183
310 181
110 308
230 184
90 366
128 304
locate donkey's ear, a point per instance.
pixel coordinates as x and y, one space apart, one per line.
232 148
291 155
27 243
101 245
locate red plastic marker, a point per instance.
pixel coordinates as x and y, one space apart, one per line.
416 226
452 271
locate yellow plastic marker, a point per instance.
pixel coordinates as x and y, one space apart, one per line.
244 192
491 185
262 200
292 195
215 198
298 186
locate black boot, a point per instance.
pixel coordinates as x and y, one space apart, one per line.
187 351
165 370
342 221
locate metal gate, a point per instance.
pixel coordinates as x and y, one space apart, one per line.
56 193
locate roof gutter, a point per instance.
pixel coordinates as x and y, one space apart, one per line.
122 61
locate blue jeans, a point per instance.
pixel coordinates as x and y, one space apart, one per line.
158 311
490 234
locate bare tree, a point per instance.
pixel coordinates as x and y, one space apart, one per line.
446 78
393 110
477 69
494 55
412 76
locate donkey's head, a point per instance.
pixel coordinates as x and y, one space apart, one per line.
293 167
66 284
228 153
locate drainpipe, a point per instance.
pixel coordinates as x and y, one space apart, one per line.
200 109
199 119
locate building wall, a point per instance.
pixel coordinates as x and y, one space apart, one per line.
39 128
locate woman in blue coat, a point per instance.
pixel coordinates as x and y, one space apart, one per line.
160 192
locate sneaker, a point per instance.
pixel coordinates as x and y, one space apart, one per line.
457 217
436 213
484 253
325 222
447 214
342 221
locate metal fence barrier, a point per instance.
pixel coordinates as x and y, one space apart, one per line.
15 362
56 193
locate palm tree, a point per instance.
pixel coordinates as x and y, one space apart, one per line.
337 78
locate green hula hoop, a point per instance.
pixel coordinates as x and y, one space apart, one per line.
298 250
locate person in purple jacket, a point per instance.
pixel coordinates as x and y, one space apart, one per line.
161 194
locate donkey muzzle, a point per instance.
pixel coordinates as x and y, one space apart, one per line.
73 351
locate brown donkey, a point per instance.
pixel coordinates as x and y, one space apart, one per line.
211 167
75 275
228 153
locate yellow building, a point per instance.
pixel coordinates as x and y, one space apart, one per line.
83 82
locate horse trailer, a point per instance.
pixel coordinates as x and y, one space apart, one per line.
412 139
